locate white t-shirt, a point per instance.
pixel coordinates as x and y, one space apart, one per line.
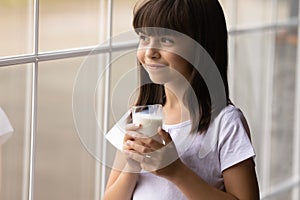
225 144
5 127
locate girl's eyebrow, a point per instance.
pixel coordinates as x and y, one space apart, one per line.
157 34
143 33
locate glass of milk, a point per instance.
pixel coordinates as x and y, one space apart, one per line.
149 116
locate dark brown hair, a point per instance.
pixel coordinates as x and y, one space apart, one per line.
203 21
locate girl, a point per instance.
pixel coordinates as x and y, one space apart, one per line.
216 162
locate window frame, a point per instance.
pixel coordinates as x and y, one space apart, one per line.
37 57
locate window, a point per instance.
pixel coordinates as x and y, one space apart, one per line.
43 46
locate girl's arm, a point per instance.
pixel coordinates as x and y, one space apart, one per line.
120 184
125 173
240 183
240 180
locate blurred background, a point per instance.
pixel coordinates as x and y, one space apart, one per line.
42 47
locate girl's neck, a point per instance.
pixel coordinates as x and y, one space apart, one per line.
174 109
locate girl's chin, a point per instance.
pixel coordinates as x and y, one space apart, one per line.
157 81
164 78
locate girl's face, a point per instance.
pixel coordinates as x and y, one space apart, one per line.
158 57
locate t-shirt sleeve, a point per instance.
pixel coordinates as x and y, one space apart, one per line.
116 134
5 127
234 143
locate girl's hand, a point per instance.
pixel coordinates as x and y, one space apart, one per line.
131 132
156 154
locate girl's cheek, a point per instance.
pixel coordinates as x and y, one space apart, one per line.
140 56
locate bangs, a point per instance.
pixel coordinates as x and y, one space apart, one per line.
161 14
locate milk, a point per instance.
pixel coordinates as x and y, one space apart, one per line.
149 122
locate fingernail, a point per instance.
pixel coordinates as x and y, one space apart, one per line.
136 125
129 142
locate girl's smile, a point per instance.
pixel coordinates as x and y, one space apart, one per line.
155 66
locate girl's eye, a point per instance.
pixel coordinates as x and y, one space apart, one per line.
167 40
143 38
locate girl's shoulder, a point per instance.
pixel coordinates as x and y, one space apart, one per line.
229 122
230 113
225 131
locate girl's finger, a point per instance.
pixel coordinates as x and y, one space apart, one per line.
154 142
138 147
132 127
165 136
158 141
134 135
137 157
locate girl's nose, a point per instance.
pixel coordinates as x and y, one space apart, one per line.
152 52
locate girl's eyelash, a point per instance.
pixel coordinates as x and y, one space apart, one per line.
165 39
142 37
